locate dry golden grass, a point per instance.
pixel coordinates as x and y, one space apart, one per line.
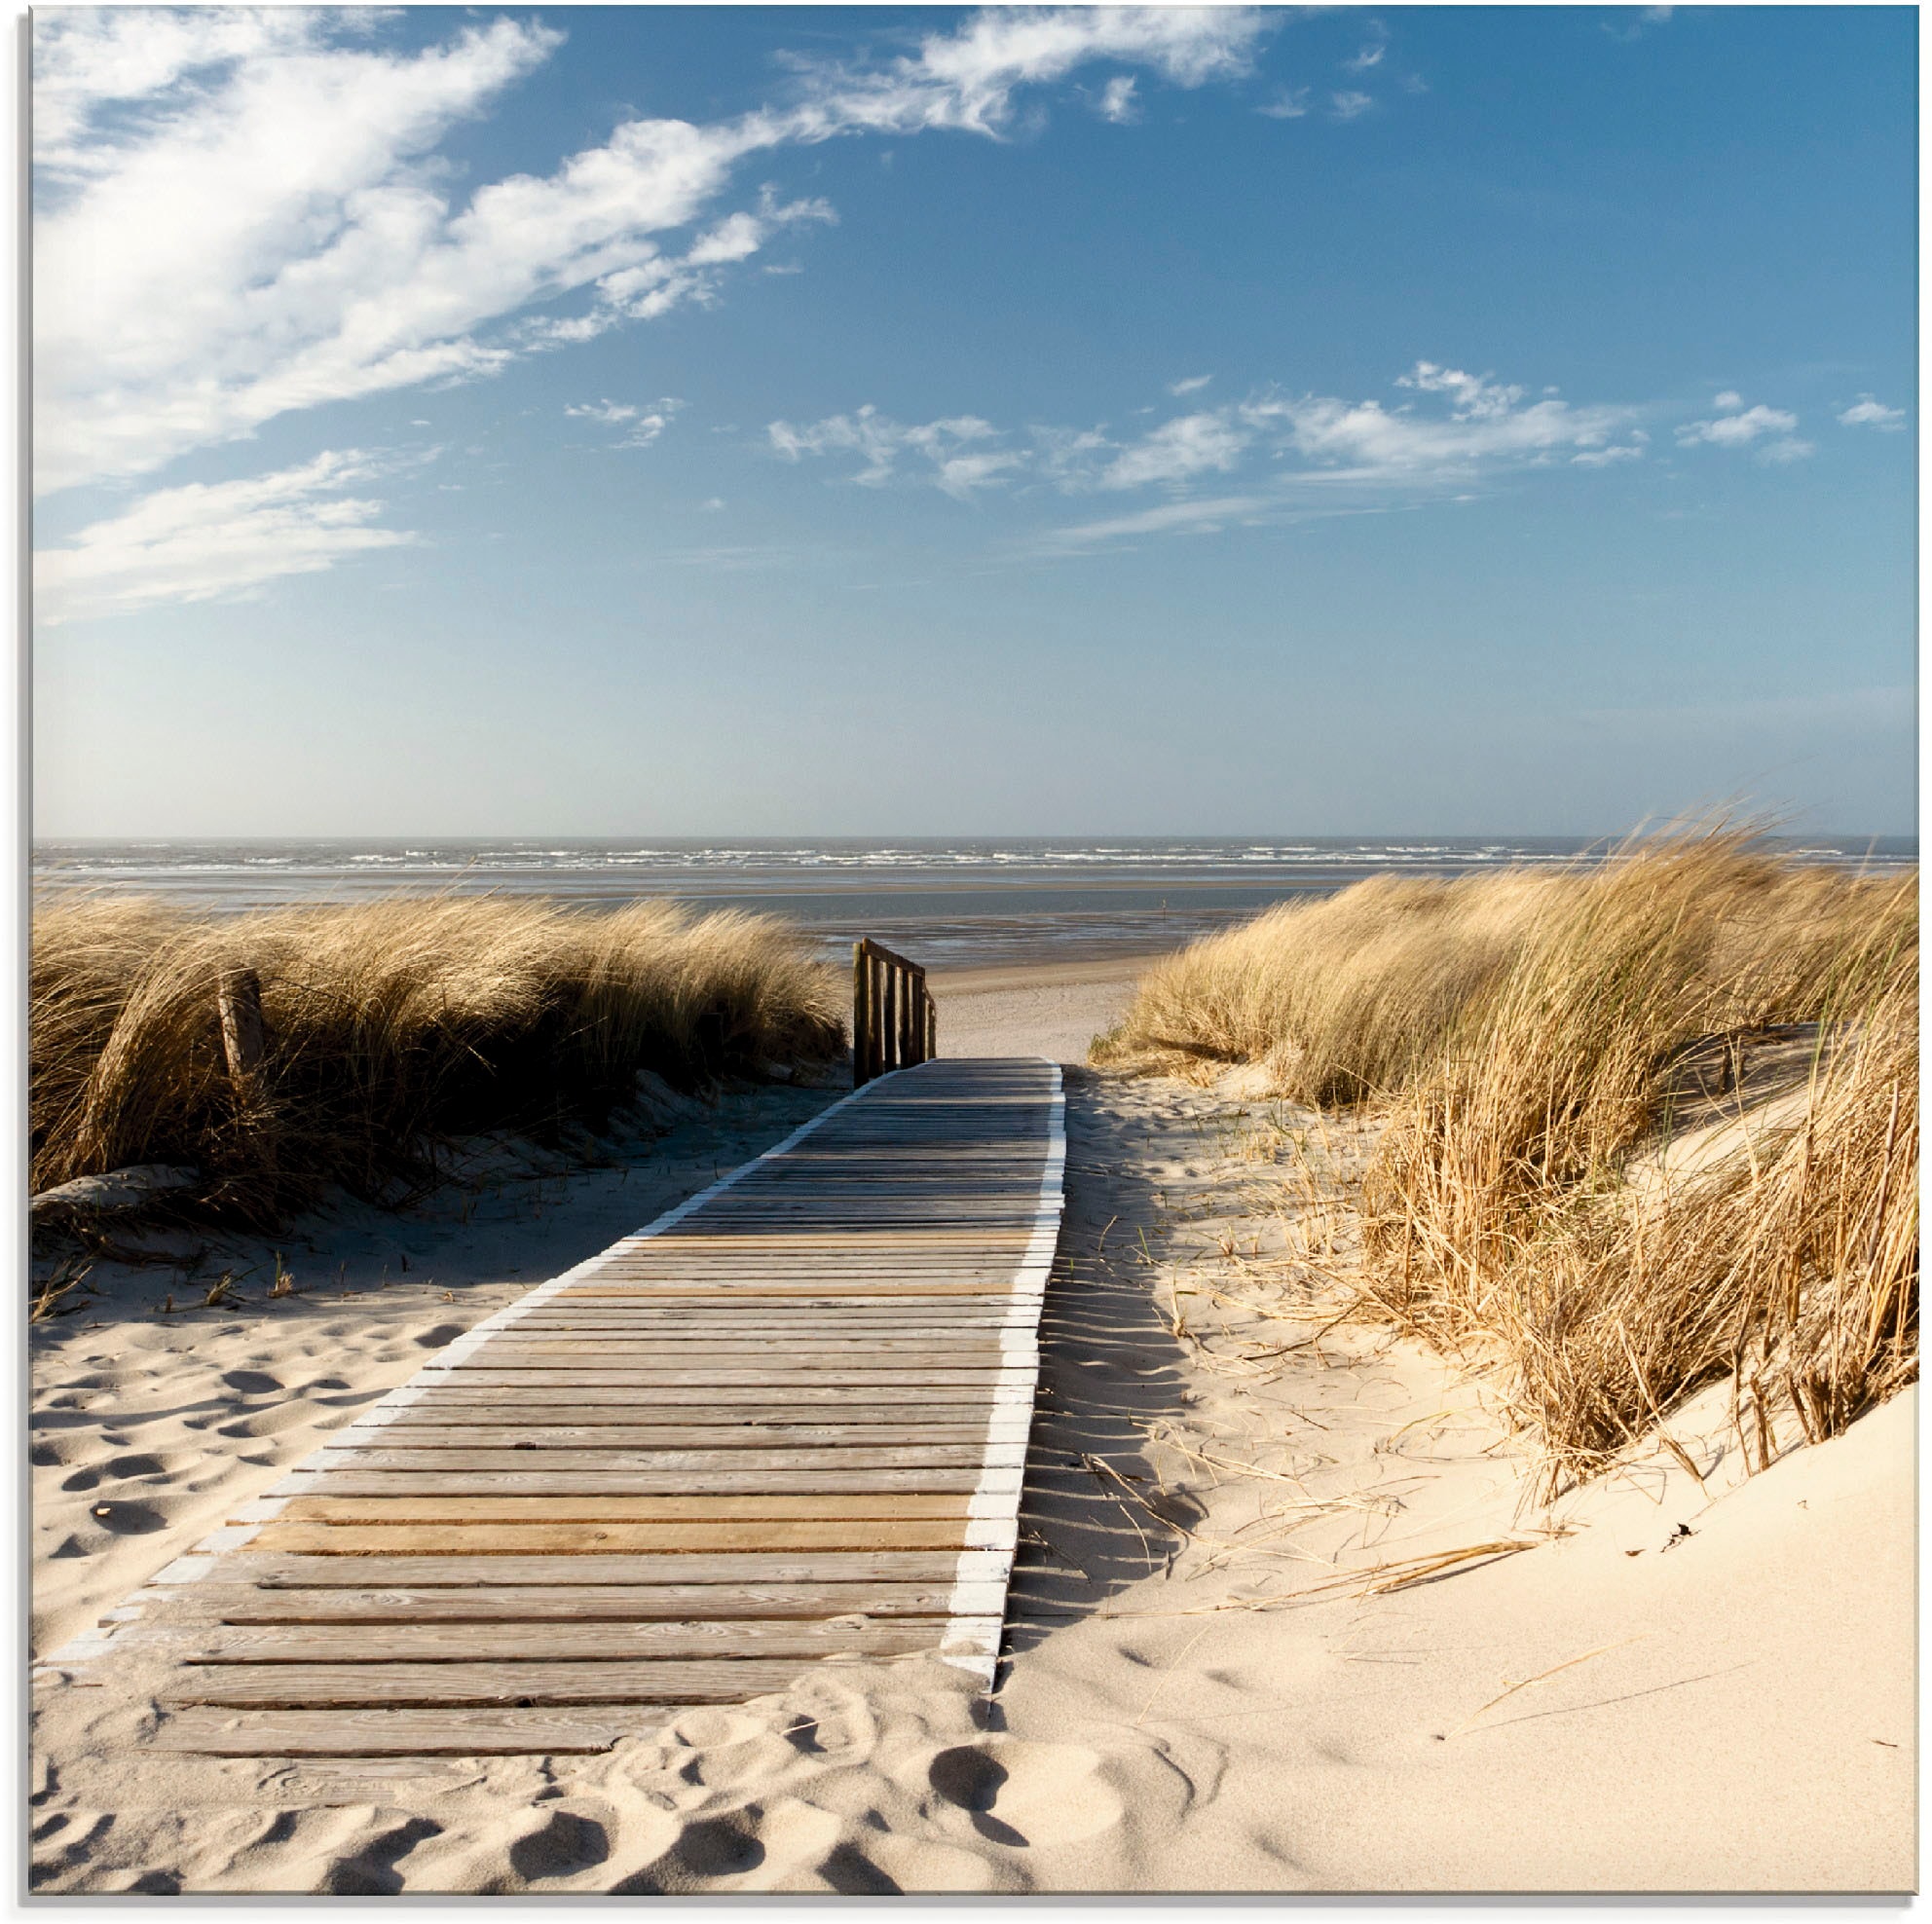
1523 1038
391 1027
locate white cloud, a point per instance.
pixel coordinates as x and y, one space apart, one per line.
1350 106
1191 385
1473 424
1768 432
956 461
1729 399
259 224
968 78
1177 450
1373 49
214 541
1205 515
1290 104
1865 411
642 425
1634 20
1117 101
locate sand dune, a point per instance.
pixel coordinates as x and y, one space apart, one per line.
1666 1687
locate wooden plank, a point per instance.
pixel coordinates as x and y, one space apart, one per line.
267 1570
885 1401
803 1350
464 1426
246 1604
467 1459
402 1733
481 1686
897 1505
541 1640
532 1408
834 1485
765 1535
771 1385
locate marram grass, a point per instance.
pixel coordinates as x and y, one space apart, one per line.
1521 1035
390 1028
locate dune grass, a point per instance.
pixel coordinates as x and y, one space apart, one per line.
391 1027
1522 1036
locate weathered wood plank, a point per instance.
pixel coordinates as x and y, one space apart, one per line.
245 1604
894 1506
553 1641
463 1429
402 1733
467 1459
777 1537
834 1485
268 1569
458 1686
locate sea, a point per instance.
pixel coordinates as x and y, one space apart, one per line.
947 904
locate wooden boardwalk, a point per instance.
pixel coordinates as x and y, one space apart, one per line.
785 1421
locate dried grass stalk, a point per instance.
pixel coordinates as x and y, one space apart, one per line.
1525 1037
390 1027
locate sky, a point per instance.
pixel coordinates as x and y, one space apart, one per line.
820 421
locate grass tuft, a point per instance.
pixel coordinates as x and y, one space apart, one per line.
1579 1166
391 1027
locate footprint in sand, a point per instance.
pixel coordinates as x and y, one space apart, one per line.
141 1463
559 1842
251 1382
267 1421
127 1519
713 1847
443 1333
1025 1795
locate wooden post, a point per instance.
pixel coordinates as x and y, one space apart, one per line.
932 1028
876 1006
888 1028
859 1013
239 1000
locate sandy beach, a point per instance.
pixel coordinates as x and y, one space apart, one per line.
1288 1613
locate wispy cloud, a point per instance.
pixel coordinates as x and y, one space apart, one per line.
642 425
1771 433
1459 427
243 216
1350 106
1290 104
214 542
1865 411
1193 385
1178 450
1116 103
957 453
1373 51
1631 22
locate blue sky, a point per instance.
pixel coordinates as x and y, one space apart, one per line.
792 420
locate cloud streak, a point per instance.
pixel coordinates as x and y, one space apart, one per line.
243 217
1771 433
1458 428
214 542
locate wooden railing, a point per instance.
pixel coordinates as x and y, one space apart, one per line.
894 1020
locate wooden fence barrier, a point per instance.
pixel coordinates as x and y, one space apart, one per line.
894 1020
